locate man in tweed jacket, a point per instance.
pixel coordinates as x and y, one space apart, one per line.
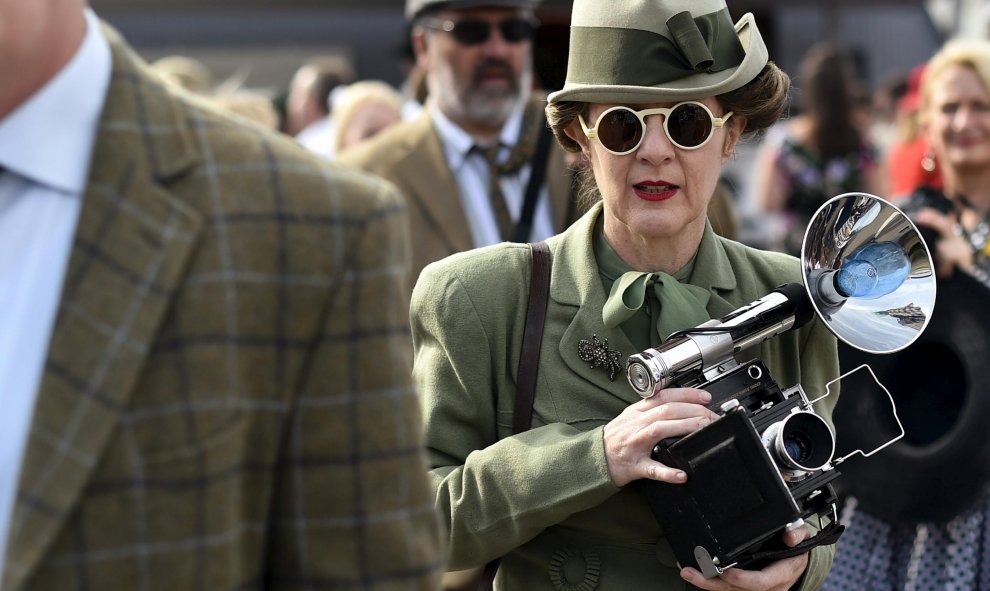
224 401
479 96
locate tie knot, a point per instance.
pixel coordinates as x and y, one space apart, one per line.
519 156
489 153
522 152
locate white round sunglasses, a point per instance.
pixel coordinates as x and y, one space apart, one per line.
688 125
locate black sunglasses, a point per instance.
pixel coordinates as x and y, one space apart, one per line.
473 32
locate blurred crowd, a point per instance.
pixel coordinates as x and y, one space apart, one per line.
839 135
235 259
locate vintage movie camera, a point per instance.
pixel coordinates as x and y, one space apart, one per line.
766 464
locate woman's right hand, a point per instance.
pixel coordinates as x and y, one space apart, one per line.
631 436
951 250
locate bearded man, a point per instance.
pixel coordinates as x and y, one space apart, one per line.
478 166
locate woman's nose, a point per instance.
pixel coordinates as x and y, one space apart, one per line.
963 117
656 146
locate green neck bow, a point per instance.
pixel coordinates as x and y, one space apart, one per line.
649 307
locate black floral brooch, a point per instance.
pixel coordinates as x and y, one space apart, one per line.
597 354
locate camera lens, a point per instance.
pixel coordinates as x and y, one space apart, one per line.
797 447
800 443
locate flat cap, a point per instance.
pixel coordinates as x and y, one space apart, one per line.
416 7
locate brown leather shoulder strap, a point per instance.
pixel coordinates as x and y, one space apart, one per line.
529 363
529 356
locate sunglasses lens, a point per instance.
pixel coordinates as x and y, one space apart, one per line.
620 130
689 125
516 30
473 32
468 32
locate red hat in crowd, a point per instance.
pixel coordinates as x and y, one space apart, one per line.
911 100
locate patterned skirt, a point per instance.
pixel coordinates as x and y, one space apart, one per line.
875 555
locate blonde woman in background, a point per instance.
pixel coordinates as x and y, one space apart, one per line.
929 526
362 110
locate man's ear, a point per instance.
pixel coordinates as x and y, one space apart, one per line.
419 43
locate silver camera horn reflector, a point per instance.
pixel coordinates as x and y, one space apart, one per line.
868 272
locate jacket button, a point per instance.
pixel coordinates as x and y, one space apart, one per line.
574 570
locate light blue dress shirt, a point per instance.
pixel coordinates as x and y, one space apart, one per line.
46 146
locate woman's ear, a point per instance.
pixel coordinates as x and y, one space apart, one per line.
733 131
923 126
574 131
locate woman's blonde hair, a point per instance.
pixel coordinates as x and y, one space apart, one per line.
355 96
961 52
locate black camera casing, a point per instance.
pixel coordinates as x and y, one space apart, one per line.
736 502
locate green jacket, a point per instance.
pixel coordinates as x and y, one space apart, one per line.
543 500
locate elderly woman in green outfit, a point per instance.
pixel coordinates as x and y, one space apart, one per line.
658 93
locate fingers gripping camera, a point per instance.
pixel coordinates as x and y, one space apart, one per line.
762 468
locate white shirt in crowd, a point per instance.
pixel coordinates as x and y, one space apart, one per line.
471 172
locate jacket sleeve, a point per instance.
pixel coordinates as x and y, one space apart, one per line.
353 507
493 494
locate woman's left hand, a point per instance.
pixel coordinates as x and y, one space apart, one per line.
777 576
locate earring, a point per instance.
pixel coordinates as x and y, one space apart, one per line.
928 161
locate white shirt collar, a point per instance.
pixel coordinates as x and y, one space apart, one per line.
49 138
457 143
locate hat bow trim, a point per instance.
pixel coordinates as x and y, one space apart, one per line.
635 57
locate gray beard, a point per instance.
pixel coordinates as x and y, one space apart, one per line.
487 108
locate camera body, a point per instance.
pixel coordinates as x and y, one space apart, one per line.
763 467
760 469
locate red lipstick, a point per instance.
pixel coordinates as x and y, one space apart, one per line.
655 190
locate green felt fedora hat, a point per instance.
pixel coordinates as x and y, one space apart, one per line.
655 51
415 8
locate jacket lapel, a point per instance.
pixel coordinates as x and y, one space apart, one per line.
432 187
437 196
130 252
576 284
713 271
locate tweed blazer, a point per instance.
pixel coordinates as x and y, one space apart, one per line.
411 156
226 403
543 499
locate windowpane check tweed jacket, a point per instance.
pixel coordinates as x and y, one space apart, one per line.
227 401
